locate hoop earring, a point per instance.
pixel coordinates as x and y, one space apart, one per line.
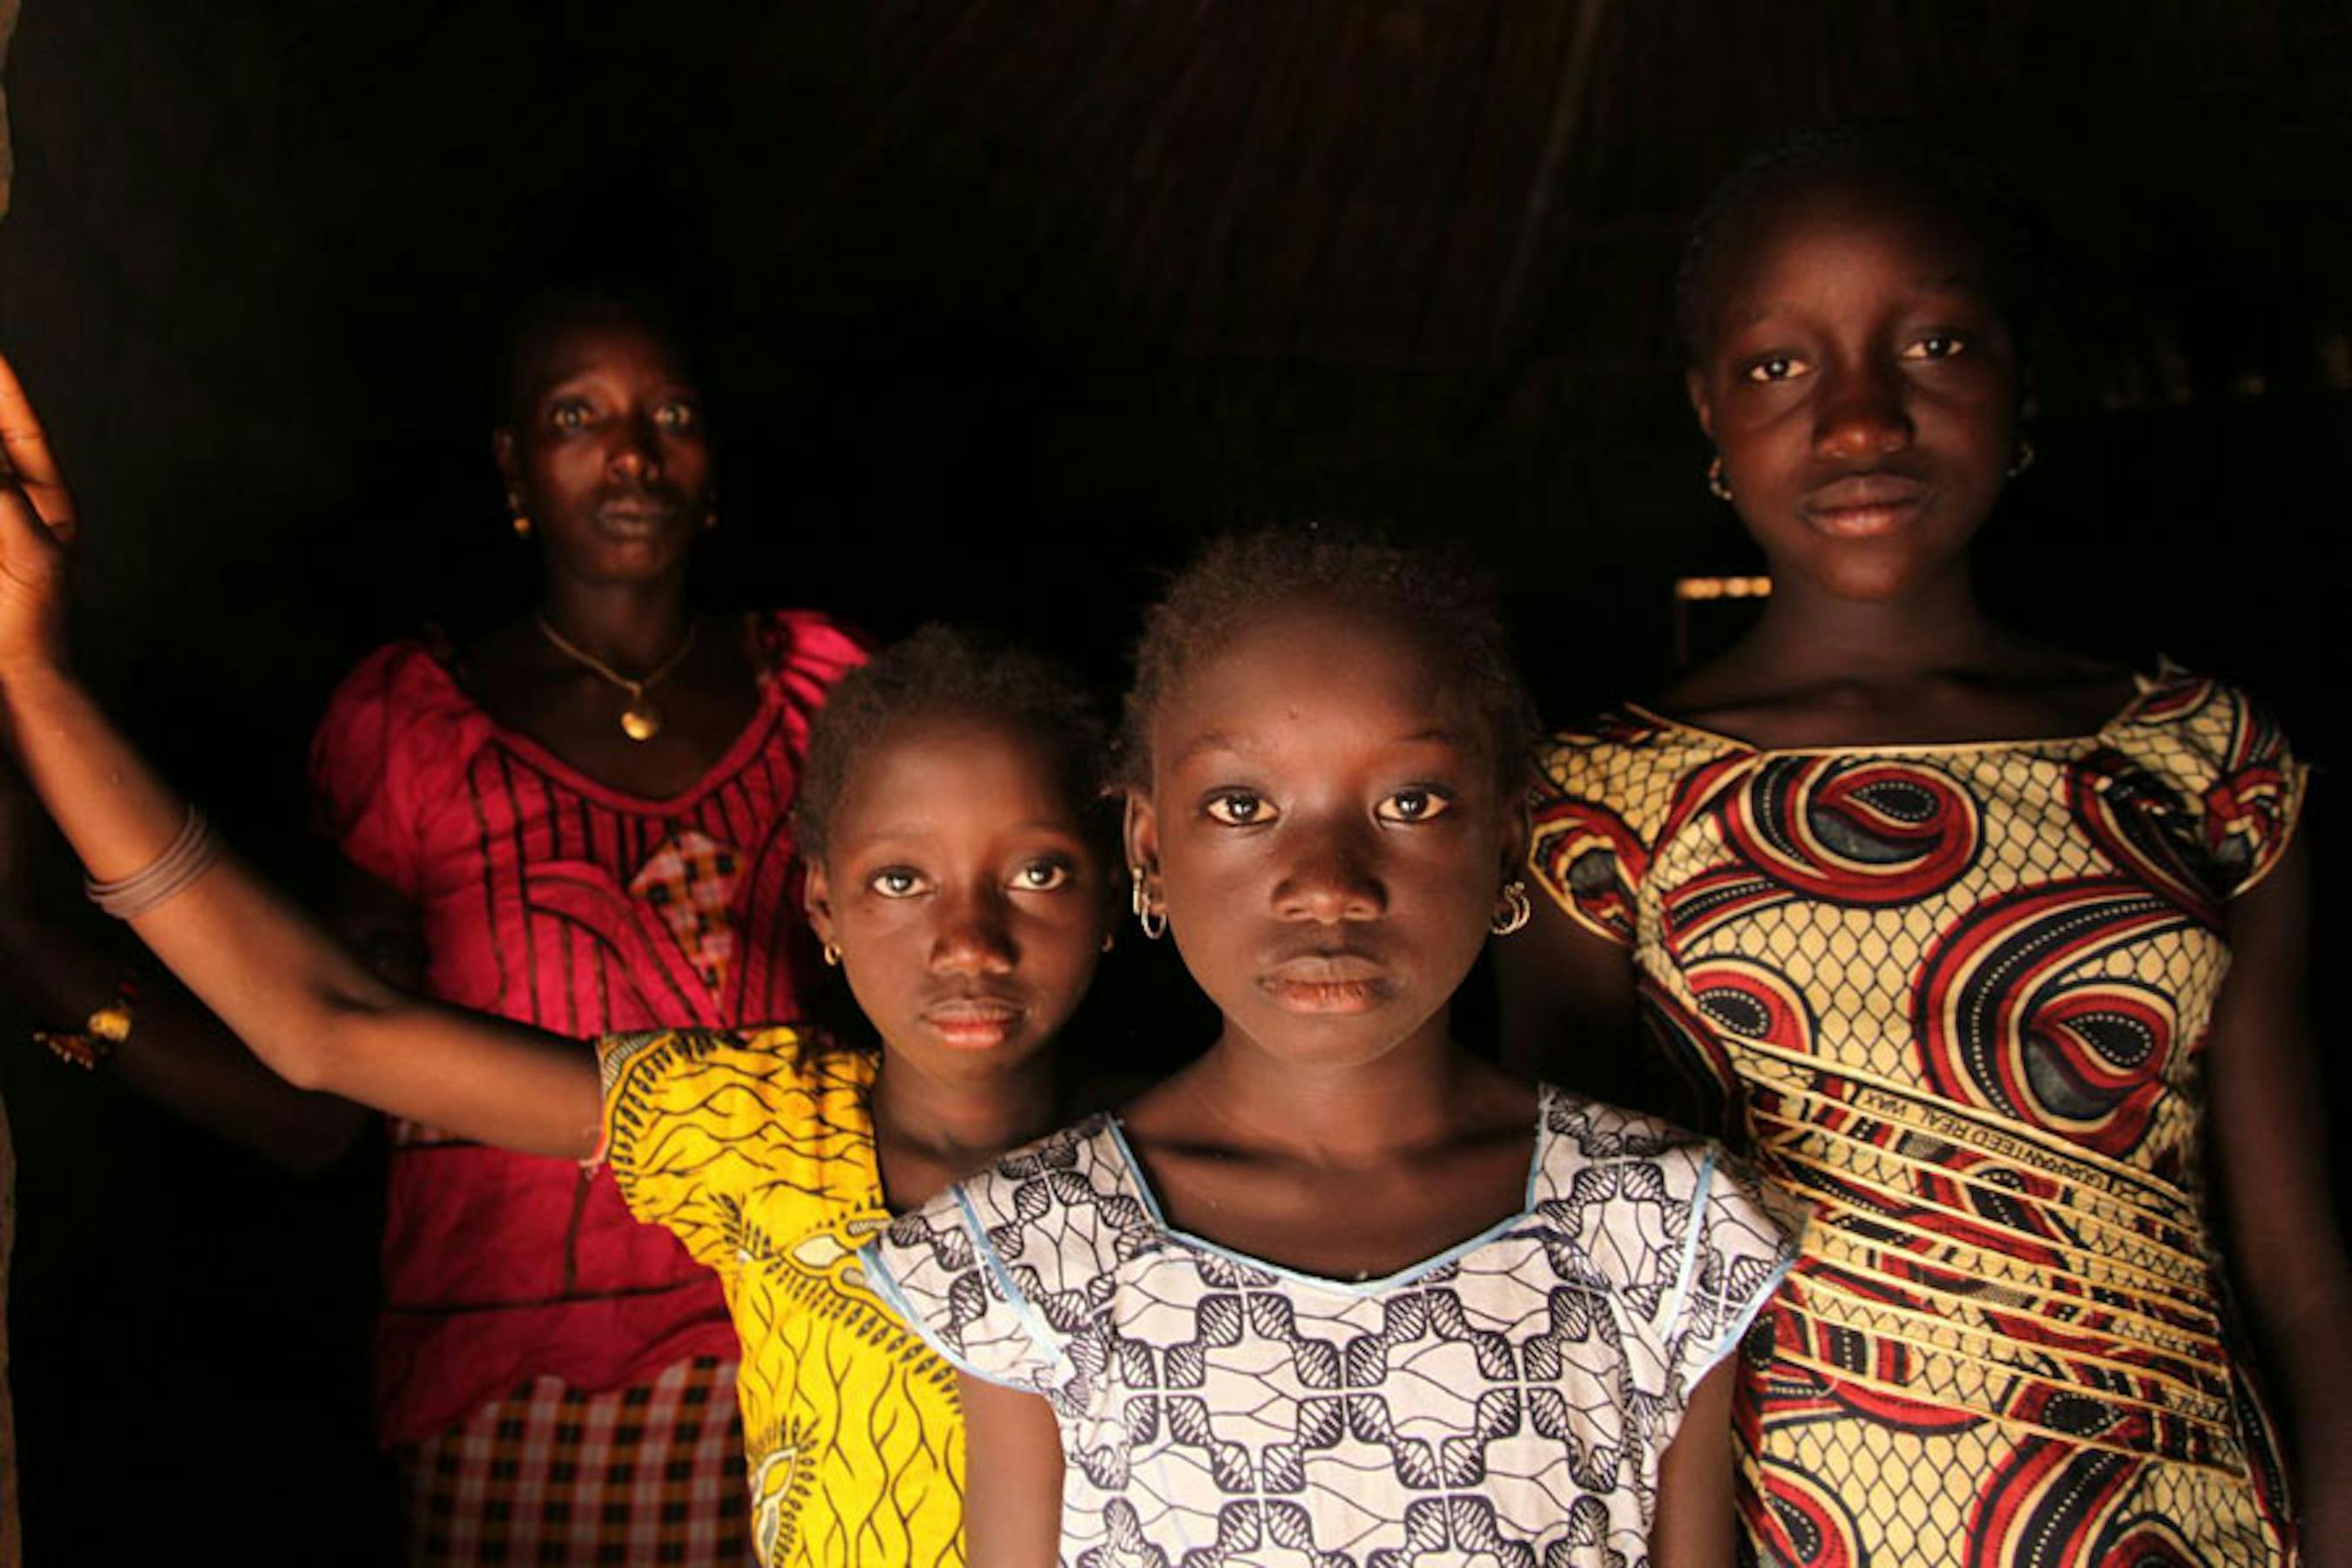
1513 909
1715 485
832 956
1149 914
2024 458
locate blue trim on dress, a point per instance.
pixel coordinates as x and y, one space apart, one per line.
1359 1288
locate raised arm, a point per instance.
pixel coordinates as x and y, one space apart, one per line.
316 1015
178 1054
2286 1239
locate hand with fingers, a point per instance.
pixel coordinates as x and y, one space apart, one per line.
36 527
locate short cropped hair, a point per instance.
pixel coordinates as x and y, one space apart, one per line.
940 671
1437 596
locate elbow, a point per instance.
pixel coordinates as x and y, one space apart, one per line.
317 1054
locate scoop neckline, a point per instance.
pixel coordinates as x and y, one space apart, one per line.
2145 683
1398 1278
731 761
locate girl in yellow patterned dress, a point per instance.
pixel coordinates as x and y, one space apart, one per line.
958 871
1995 1007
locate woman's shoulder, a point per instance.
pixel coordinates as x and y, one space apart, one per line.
396 733
804 651
408 680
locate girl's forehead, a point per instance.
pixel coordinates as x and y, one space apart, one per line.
1291 663
1806 224
951 764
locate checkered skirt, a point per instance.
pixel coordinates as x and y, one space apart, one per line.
650 1474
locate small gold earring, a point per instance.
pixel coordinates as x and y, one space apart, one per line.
1149 914
833 954
1513 909
521 526
2024 458
1715 485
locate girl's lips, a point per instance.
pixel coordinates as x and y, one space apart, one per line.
973 1024
1327 983
1863 506
1862 522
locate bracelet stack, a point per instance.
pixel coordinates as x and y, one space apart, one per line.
188 856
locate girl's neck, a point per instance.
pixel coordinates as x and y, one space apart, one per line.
1808 637
961 1123
632 627
1340 1114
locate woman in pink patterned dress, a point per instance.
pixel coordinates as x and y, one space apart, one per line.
579 822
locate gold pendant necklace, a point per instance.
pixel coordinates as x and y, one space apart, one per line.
640 721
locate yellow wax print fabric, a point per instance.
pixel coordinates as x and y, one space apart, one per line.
1956 998
758 1155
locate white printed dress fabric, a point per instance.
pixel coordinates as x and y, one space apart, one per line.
1506 1402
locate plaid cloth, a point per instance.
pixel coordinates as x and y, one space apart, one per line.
652 1474
692 881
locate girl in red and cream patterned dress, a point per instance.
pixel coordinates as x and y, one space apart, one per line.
1991 951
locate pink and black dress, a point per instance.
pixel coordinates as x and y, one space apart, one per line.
557 1378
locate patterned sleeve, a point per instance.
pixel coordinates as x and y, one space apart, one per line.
696 1121
2223 789
1738 1244
2255 799
1001 1274
1588 850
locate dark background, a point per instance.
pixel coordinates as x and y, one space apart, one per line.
1006 304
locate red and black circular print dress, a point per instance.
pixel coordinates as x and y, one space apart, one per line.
1955 997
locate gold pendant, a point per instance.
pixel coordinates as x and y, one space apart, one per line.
641 721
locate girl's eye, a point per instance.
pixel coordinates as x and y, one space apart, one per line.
1408 805
1937 345
897 882
1043 876
675 415
568 416
1239 809
1775 367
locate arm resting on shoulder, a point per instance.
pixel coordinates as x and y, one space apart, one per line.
1012 1477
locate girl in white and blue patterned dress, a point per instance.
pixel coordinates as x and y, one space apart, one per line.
1340 1293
